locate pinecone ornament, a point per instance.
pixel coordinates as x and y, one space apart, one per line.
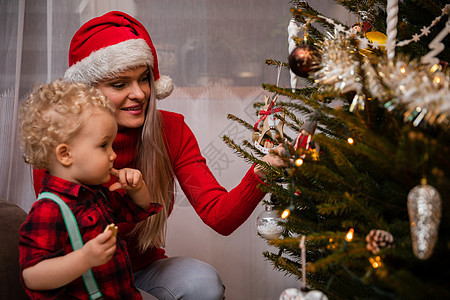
378 239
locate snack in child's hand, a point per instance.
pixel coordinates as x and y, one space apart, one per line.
113 228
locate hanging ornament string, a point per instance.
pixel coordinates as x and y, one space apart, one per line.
278 74
303 253
425 30
391 29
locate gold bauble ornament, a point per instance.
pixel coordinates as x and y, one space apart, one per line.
377 37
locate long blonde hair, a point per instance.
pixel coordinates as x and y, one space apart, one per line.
153 161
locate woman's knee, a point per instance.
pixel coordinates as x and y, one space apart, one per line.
182 278
201 281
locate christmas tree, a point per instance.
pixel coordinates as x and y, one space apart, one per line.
365 192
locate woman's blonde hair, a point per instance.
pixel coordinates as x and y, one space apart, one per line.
153 161
53 114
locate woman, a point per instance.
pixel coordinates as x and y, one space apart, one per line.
115 53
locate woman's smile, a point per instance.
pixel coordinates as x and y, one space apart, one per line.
134 110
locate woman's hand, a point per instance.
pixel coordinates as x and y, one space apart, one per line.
274 159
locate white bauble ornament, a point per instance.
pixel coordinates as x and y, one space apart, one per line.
315 295
268 223
424 209
291 294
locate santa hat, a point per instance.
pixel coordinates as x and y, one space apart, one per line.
113 43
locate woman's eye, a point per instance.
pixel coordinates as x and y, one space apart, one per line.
118 85
145 78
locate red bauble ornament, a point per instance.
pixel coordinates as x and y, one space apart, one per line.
303 60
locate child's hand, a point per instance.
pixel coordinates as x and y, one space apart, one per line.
100 249
128 179
131 180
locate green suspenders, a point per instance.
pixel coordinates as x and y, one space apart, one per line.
75 240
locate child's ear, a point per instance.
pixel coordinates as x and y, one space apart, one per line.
63 154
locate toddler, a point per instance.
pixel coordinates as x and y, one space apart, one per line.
68 129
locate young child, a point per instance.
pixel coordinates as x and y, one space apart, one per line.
68 129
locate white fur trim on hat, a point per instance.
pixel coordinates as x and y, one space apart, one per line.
107 62
163 87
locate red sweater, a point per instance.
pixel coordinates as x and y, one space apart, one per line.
221 210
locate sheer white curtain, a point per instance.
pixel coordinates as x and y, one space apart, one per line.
34 36
215 51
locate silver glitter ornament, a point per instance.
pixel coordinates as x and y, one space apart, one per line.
424 209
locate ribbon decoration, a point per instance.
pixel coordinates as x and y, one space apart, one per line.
267 112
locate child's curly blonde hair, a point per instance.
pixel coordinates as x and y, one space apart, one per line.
53 114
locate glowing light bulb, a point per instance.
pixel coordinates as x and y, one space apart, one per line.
350 141
437 79
403 70
315 155
375 262
298 162
349 235
285 213
332 244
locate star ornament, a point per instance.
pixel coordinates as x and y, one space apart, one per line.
446 9
375 45
363 43
435 21
425 31
339 28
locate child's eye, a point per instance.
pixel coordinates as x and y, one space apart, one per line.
104 145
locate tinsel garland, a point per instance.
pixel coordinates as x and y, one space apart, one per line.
424 91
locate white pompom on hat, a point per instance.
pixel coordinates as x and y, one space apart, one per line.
113 43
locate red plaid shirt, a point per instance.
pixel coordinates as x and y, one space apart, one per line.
44 235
